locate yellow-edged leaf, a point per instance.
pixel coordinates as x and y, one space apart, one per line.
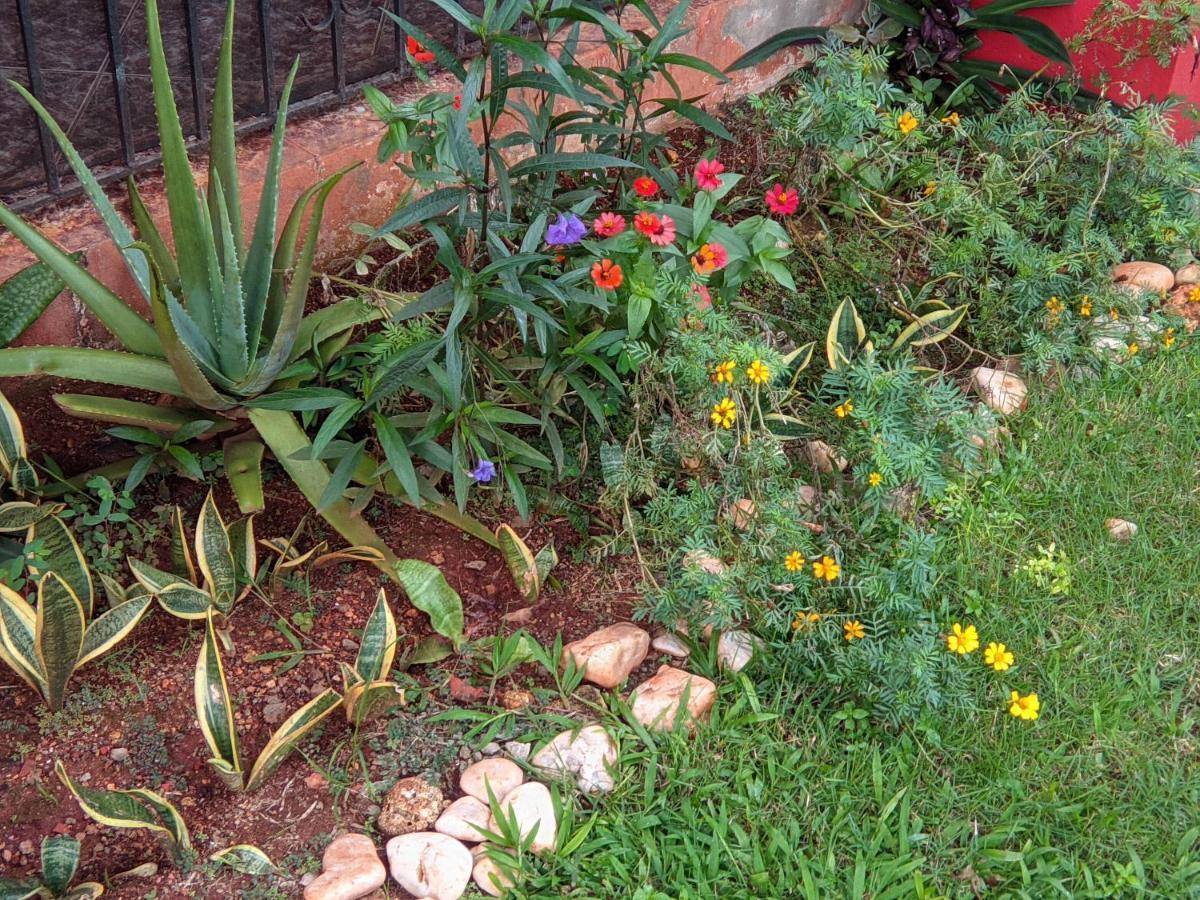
109 629
181 553
377 650
62 556
214 708
58 635
167 813
116 809
291 732
245 858
214 556
521 564
349 554
20 515
18 648
367 700
930 328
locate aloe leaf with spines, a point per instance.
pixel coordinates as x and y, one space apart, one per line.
24 297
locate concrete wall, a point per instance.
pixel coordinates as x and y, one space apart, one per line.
721 30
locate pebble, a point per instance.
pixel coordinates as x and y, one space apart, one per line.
429 864
656 701
490 749
589 754
461 817
1003 392
518 749
119 754
533 808
274 711
350 645
489 877
1120 529
413 804
671 645
475 565
607 656
503 775
735 649
350 869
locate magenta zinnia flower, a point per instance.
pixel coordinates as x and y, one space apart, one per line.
708 172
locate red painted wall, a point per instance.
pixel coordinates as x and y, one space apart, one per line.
1146 76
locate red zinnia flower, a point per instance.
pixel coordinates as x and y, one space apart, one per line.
458 101
708 172
608 224
418 52
645 186
659 229
781 200
607 275
709 258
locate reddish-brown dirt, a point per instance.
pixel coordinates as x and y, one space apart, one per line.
139 699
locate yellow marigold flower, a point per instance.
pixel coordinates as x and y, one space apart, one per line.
844 409
793 562
1193 294
1024 707
930 188
998 656
805 620
875 479
853 630
951 119
724 372
826 568
724 413
1085 306
1055 306
962 640
907 122
1169 337
1133 348
1114 313
758 372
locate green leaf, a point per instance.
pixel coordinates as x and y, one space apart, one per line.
59 635
377 650
398 458
521 564
214 710
25 296
694 114
169 815
116 809
223 191
245 858
60 859
62 556
119 411
429 592
789 37
109 629
1037 36
845 334
102 366
290 733
436 203
19 515
243 469
561 162
214 555
342 475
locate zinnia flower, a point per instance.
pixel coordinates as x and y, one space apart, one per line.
826 568
853 630
458 101
708 172
782 201
724 413
659 229
758 372
1024 707
607 275
875 479
998 656
608 224
567 229
709 258
484 471
418 52
724 372
907 122
844 409
701 291
645 187
962 640
793 562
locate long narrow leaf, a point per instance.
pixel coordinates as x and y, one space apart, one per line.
297 726
59 634
214 710
222 149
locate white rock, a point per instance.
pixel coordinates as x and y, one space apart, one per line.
656 701
428 864
350 869
533 807
503 775
608 656
671 645
698 559
489 877
589 754
461 817
735 649
1004 392
1120 529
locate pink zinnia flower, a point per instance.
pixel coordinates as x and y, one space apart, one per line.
659 229
710 258
782 201
703 297
608 224
708 172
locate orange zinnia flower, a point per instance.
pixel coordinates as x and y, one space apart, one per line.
607 275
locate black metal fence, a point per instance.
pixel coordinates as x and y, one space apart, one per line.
87 62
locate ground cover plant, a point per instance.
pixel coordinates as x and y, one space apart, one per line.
927 637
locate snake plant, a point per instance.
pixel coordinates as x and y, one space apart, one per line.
228 337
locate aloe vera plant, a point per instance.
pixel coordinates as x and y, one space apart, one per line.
228 336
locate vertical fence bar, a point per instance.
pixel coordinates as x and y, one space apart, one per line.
401 40
112 20
196 63
37 88
460 39
339 50
267 53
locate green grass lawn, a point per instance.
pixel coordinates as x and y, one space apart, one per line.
1100 797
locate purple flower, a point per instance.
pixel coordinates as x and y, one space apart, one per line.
568 228
484 471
